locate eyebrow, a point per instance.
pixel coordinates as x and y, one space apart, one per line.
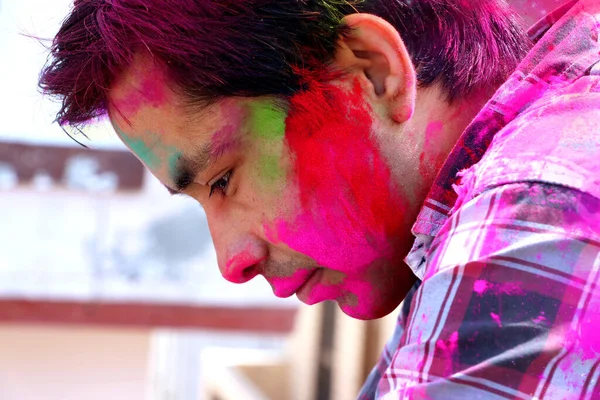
187 168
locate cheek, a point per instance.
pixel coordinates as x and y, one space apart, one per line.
272 166
348 208
266 132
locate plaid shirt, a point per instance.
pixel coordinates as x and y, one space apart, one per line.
507 245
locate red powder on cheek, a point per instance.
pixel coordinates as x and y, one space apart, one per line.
350 208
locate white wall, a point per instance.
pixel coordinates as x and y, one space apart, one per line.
69 363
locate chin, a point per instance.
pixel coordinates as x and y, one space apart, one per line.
366 312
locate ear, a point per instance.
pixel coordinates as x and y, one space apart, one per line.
374 52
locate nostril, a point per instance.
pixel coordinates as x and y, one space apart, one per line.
242 267
248 273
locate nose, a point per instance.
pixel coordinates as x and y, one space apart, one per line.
239 251
243 265
240 246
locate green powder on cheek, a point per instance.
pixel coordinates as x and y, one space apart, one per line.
271 170
267 124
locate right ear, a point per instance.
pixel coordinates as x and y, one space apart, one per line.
373 51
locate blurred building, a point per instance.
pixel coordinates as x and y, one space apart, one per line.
88 241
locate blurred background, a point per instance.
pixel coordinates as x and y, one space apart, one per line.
109 287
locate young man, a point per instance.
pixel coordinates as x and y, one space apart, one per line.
355 151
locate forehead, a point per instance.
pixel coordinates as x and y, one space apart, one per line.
142 99
143 90
154 122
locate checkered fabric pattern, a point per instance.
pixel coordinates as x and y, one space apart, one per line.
507 245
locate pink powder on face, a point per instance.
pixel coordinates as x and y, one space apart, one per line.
223 140
240 260
149 89
241 267
349 207
323 292
285 286
349 210
346 190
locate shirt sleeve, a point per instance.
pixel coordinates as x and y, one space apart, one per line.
509 307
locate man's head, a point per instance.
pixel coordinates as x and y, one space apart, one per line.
310 131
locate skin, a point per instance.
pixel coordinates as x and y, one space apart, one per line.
322 195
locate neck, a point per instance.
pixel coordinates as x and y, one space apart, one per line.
440 126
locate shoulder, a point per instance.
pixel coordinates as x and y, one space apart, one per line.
509 288
555 141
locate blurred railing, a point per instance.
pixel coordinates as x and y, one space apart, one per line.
200 316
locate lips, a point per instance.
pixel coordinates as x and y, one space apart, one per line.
304 291
286 287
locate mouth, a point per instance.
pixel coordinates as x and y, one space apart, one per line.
284 289
304 291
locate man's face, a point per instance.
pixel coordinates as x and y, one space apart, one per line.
299 192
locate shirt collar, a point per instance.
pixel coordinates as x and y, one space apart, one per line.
508 102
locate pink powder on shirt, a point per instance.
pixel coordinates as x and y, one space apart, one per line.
496 318
480 286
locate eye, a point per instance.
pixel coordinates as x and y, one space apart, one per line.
221 185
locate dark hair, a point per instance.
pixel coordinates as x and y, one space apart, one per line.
214 49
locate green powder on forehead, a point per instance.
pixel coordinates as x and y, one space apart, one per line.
174 162
151 149
267 121
141 149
